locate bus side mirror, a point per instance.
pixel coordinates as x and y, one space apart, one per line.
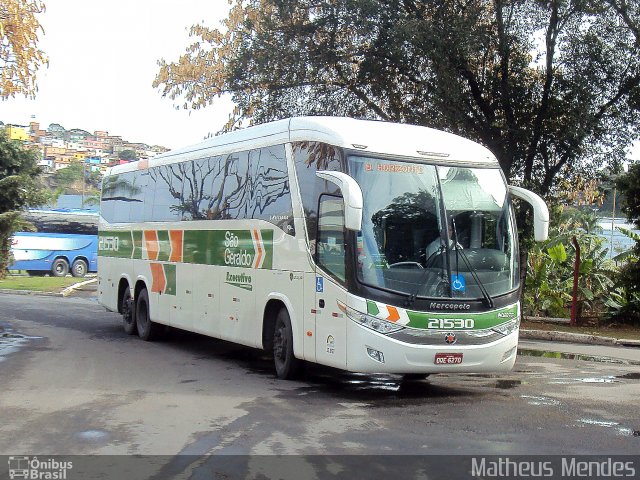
540 212
351 196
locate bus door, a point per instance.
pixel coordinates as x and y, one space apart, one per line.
331 332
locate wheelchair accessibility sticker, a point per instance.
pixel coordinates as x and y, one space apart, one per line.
319 284
457 283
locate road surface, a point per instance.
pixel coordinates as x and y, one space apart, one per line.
74 383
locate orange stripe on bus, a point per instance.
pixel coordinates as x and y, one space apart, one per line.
394 316
158 280
151 242
259 253
176 237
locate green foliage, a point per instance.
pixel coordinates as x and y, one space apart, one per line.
19 187
549 284
624 306
547 290
550 87
627 307
70 178
129 155
629 254
629 185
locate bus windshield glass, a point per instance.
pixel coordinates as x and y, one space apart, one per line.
435 231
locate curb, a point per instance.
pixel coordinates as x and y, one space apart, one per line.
31 292
555 336
70 289
561 321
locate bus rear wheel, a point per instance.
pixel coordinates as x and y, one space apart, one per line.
147 330
79 268
60 267
128 311
287 365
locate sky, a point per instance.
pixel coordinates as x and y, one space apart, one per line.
102 61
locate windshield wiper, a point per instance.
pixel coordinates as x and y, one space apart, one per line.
444 249
459 250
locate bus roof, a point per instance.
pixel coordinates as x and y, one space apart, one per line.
368 136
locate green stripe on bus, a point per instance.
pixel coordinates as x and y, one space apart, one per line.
481 320
137 244
115 244
170 275
164 246
372 308
229 248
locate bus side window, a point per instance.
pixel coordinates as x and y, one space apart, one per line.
309 157
167 201
330 245
136 196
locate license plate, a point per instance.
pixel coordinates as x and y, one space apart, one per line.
448 359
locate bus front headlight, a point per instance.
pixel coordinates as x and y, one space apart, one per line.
374 323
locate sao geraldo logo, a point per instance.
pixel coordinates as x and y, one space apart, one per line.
38 469
240 280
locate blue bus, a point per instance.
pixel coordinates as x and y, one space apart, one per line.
66 242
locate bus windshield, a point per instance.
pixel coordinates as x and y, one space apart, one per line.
435 231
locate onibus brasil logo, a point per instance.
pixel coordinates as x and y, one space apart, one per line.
36 469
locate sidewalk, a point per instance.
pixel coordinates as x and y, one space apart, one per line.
626 354
561 336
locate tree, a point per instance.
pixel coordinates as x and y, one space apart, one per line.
552 88
129 155
70 178
629 186
550 266
19 188
20 57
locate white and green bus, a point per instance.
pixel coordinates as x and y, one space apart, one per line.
363 245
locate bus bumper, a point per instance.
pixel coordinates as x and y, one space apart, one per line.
371 352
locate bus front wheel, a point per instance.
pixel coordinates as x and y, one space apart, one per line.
128 310
60 267
147 330
287 365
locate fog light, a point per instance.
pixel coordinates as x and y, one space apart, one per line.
375 354
508 354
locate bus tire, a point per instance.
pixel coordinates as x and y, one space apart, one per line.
147 330
79 268
128 313
60 267
288 367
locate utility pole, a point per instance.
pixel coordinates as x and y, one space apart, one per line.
83 180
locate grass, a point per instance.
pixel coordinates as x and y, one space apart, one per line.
614 330
38 284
